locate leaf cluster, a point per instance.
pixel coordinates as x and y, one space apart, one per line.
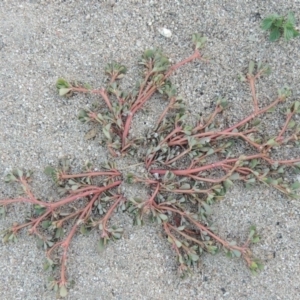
115 119
280 26
87 202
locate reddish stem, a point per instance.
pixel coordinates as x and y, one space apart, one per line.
200 127
202 157
201 244
81 195
37 221
204 228
142 99
101 92
22 199
254 115
84 189
171 103
195 55
286 124
66 243
251 80
126 129
90 174
168 162
241 123
149 159
189 192
207 167
179 140
108 213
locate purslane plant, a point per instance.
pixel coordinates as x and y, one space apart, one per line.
116 118
86 205
189 167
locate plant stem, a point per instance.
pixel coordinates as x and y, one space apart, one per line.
101 92
206 167
90 174
200 127
66 243
251 80
171 103
142 99
195 55
108 214
81 195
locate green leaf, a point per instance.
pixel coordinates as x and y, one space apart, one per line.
18 173
260 265
227 184
199 40
267 23
106 131
64 91
295 186
120 230
101 245
237 253
272 109
296 33
9 178
83 230
251 67
241 77
87 86
204 140
274 35
39 243
46 224
207 208
63 292
253 163
210 151
59 233
185 186
228 253
193 257
291 124
163 217
117 235
62 83
39 210
170 240
271 142
278 22
256 239
178 243
288 32
49 171
235 176
223 103
46 266
253 266
256 122
291 18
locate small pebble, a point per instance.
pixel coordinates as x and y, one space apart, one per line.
165 32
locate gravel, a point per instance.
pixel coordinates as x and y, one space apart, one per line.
43 40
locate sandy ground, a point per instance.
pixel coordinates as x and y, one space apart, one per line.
43 40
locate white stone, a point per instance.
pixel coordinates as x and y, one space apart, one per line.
165 32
